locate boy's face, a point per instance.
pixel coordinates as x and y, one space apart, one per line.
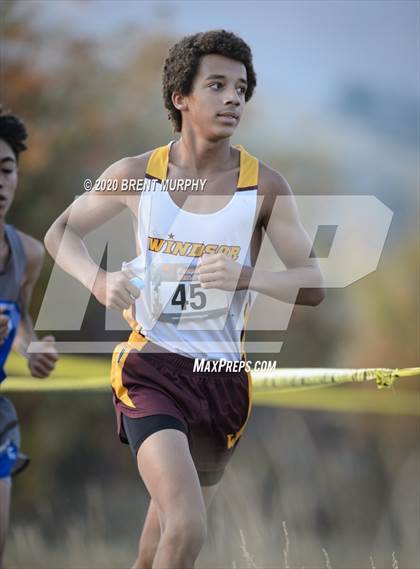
217 99
8 177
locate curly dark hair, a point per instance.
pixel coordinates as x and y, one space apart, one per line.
183 60
12 131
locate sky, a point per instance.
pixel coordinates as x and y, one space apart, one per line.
306 53
304 50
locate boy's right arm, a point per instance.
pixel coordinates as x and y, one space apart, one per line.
64 239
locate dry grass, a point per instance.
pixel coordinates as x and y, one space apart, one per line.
247 521
327 559
28 548
250 563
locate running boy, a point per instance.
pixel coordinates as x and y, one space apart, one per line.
21 259
196 258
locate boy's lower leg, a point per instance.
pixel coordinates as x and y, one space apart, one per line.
5 493
149 539
180 544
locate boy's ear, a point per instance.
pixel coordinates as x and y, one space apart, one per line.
179 102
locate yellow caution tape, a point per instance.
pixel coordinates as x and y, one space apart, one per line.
278 379
288 387
291 378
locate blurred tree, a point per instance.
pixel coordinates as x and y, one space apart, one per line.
84 109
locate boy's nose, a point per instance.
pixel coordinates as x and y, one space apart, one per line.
232 98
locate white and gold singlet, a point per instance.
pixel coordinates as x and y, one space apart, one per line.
173 310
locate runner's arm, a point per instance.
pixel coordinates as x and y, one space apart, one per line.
64 239
35 254
281 221
41 363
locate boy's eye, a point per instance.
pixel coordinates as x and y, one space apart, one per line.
215 85
242 90
6 171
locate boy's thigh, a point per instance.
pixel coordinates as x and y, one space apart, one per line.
138 429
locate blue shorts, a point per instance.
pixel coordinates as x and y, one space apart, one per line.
12 461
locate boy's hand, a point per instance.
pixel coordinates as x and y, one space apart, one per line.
41 365
4 326
216 270
114 290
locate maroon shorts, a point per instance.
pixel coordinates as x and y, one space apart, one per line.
213 407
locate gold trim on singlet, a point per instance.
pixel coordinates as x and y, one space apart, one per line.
248 170
157 166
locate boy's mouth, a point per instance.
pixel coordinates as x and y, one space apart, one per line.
227 118
228 114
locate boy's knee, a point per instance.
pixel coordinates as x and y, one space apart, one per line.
186 531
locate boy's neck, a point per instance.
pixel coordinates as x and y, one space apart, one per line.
2 232
4 245
201 157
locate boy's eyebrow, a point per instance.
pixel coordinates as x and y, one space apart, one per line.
216 76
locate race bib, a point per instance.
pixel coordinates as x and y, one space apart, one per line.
189 301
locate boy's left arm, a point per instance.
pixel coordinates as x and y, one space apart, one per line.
40 364
280 219
301 282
